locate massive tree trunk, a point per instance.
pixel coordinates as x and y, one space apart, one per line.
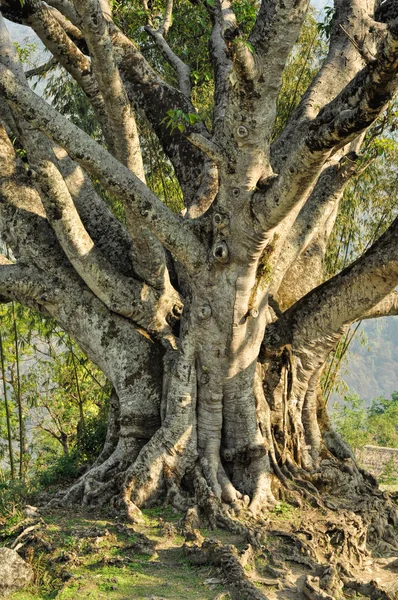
213 327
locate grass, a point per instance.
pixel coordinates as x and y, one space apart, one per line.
104 565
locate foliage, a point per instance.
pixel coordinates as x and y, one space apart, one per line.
389 473
63 399
351 421
176 119
26 52
302 66
359 425
325 26
69 99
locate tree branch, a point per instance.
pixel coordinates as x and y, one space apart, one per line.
388 307
107 232
318 213
66 8
360 103
274 33
42 69
49 30
122 123
155 97
349 114
148 252
349 295
121 294
24 283
342 63
159 36
222 63
111 341
173 232
182 70
209 147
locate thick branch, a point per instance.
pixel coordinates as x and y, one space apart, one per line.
122 295
148 252
360 103
66 8
49 30
223 19
338 123
155 97
313 218
174 233
121 119
107 232
110 340
388 307
342 63
350 294
275 31
26 284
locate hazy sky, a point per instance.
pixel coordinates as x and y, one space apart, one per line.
320 3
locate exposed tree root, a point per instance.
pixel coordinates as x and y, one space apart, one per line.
312 590
371 590
211 512
225 557
344 486
101 482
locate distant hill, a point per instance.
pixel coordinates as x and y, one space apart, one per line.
372 368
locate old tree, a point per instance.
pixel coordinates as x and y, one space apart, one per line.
214 325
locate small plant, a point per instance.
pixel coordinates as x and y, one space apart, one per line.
389 474
13 496
176 119
283 509
325 27
26 52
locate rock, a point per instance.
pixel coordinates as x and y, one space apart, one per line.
31 511
15 573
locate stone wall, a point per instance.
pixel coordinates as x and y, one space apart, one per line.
375 458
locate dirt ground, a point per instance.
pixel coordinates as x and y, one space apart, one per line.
87 554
